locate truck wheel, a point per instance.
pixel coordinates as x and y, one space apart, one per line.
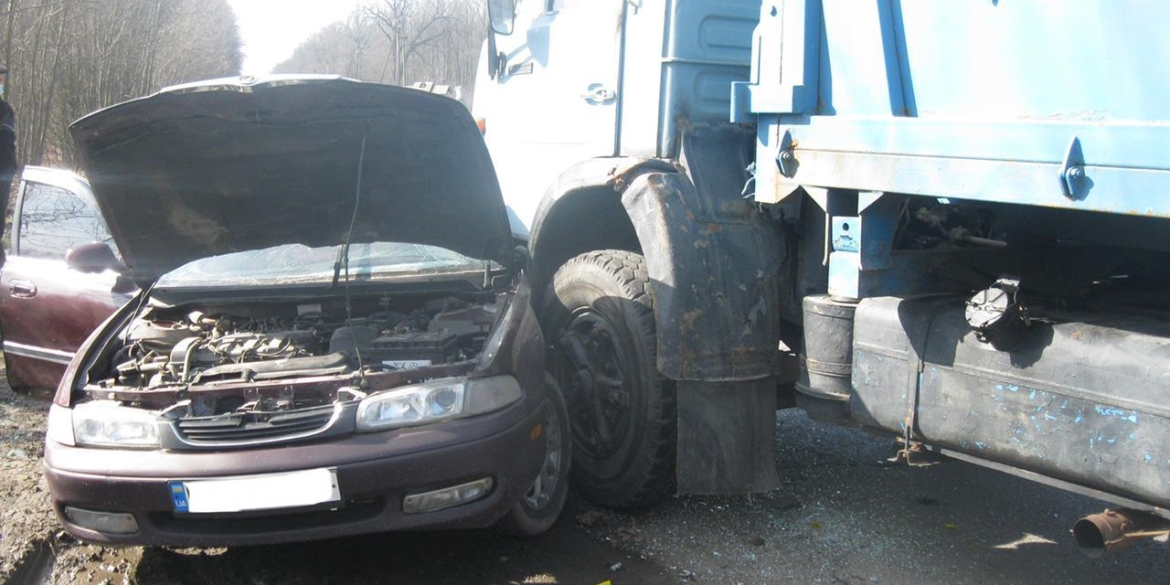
598 318
539 509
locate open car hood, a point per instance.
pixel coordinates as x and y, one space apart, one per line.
243 164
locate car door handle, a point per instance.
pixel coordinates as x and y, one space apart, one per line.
599 94
22 289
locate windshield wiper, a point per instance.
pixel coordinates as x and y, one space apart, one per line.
342 255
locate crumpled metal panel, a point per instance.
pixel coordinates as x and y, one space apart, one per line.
715 284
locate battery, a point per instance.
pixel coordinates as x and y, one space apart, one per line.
404 351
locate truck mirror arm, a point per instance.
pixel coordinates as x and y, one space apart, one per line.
496 60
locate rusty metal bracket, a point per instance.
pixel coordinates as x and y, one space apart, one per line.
915 454
917 366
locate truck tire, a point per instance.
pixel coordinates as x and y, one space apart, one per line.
598 319
539 509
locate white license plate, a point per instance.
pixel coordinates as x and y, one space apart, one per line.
294 489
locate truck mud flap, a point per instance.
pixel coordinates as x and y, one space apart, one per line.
726 437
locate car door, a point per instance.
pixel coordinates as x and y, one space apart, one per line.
48 309
556 101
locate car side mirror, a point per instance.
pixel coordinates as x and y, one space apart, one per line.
502 16
92 258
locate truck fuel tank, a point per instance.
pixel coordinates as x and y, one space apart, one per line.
1082 398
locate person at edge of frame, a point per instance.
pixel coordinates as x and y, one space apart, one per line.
8 163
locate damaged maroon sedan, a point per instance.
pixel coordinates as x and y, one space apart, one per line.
334 335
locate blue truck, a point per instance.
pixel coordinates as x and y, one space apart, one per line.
940 221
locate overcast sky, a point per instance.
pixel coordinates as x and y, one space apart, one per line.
271 29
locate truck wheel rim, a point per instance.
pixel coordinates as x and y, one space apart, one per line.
591 371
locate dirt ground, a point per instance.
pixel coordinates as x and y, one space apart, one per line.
841 517
26 520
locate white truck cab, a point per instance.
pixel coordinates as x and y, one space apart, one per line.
553 100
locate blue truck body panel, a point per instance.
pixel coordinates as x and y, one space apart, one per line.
977 99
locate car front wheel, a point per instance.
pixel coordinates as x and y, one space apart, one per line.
534 514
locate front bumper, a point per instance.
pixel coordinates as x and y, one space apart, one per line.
375 472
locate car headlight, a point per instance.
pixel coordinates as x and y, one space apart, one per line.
435 401
411 405
107 424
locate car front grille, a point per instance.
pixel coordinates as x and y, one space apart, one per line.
254 427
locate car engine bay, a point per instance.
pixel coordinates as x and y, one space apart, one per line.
261 353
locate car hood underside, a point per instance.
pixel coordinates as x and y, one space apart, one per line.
232 165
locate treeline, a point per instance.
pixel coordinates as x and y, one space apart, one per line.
67 58
399 42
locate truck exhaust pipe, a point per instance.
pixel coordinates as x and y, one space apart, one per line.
1113 530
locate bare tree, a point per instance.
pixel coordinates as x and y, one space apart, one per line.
399 41
345 48
67 58
409 25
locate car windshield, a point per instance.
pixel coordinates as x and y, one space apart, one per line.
297 264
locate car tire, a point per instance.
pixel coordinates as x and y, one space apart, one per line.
598 319
541 506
